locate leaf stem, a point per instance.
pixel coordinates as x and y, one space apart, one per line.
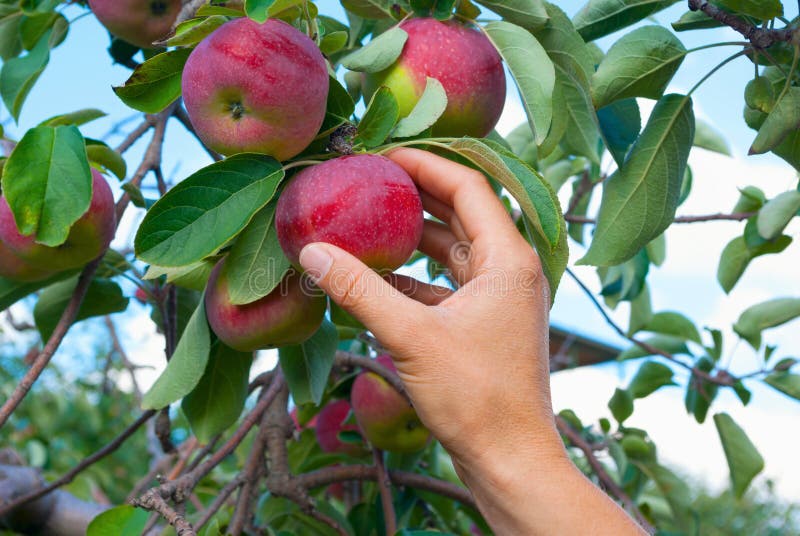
714 70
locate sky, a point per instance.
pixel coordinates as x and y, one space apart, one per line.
81 75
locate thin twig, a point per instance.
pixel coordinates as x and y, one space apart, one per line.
759 37
347 359
736 216
220 499
385 488
156 503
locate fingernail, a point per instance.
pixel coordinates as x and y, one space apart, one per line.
316 261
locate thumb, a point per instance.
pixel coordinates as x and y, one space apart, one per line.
359 290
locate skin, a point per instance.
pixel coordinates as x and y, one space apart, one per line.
88 238
139 22
475 360
463 60
365 204
331 421
386 419
290 314
252 87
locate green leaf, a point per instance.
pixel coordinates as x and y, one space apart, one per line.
785 382
103 297
621 405
563 43
369 9
765 315
640 64
673 488
707 138
77 118
777 213
531 68
185 370
308 365
47 183
258 10
217 401
10 43
193 31
700 393
13 291
426 112
738 254
744 460
582 134
670 344
620 124
641 311
340 107
120 521
380 118
333 42
107 159
783 120
379 53
205 211
695 20
599 18
530 14
256 263
760 9
156 83
193 276
18 75
640 199
657 249
650 377
676 324
750 200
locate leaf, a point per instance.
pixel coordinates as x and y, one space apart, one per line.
744 460
13 291
650 377
668 343
599 18
765 315
783 120
699 392
530 14
308 365
119 521
18 75
193 31
380 118
695 20
205 211
426 112
531 68
258 9
256 263
760 9
674 489
107 159
369 9
77 118
340 106
217 401
187 365
640 64
777 213
333 42
621 405
640 199
156 83
707 138
47 183
732 263
193 276
620 124
676 324
785 382
582 133
641 311
103 297
563 43
378 54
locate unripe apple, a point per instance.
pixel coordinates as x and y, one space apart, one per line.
385 417
330 422
88 237
290 314
15 269
139 22
365 204
251 87
463 60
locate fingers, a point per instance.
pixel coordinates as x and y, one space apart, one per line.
419 291
359 290
444 213
439 243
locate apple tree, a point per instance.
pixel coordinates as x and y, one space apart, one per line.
295 108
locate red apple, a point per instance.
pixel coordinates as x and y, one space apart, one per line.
365 204
15 269
290 314
260 88
385 417
330 422
463 60
139 22
88 238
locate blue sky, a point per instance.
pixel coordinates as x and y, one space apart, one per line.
81 75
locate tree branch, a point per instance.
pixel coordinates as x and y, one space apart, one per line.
737 216
156 503
385 488
759 37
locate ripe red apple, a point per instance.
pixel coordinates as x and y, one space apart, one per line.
365 204
260 88
88 238
290 314
330 422
385 417
463 60
139 22
15 269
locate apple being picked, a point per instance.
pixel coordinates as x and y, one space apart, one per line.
251 87
88 238
330 422
385 417
139 22
364 204
463 60
290 314
15 269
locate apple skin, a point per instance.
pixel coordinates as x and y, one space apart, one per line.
139 22
331 421
290 314
261 88
88 238
463 60
15 269
385 417
364 204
